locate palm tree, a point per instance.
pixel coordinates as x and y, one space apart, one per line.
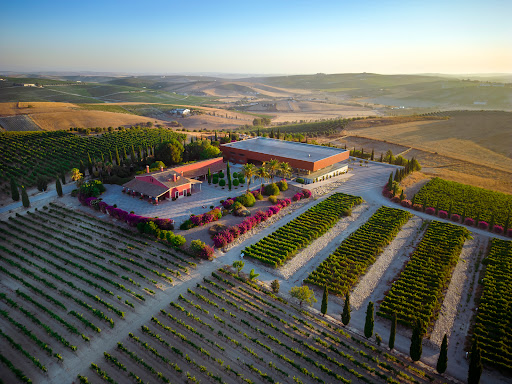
272 166
262 173
285 169
249 170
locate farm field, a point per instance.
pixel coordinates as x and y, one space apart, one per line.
418 291
494 316
50 153
475 136
469 202
226 330
68 278
283 244
18 124
342 269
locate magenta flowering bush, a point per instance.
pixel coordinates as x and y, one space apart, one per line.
297 196
235 231
442 214
196 219
483 225
228 203
498 229
455 218
430 211
469 221
306 193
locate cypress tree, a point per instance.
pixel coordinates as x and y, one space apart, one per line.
463 215
507 223
437 206
132 155
209 176
345 316
413 201
416 348
102 158
381 157
81 167
15 194
278 134
368 325
58 187
402 196
125 156
89 164
325 299
118 160
362 151
475 363
396 176
390 181
228 171
392 333
258 133
63 177
442 361
24 197
372 157
491 222
450 210
215 135
110 159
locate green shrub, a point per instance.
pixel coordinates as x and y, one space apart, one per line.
222 182
271 189
247 199
215 179
299 180
236 183
272 199
282 185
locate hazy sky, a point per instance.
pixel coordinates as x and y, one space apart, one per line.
279 36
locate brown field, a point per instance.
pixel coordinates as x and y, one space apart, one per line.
482 137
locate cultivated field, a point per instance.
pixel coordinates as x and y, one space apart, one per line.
18 124
64 287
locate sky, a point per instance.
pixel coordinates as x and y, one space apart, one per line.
257 37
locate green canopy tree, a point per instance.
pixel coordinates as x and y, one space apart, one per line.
416 348
170 152
325 299
442 361
368 325
304 294
392 333
15 194
475 363
58 187
238 265
24 197
345 316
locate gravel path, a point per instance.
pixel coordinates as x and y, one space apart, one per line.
454 295
392 258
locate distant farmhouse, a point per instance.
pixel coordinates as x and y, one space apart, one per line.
172 183
311 162
180 111
25 85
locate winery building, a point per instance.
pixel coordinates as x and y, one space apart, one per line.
311 162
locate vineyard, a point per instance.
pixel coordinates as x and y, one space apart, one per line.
418 292
342 269
468 202
310 129
494 318
280 246
18 124
229 330
25 156
66 277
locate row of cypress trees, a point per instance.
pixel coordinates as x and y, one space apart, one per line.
15 193
416 349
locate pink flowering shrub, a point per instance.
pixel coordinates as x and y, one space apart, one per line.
417 207
430 211
483 225
442 214
235 231
196 219
455 218
498 229
228 203
469 221
297 196
306 193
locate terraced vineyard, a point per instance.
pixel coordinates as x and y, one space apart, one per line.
280 246
467 201
229 331
418 292
30 154
494 318
342 269
66 277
